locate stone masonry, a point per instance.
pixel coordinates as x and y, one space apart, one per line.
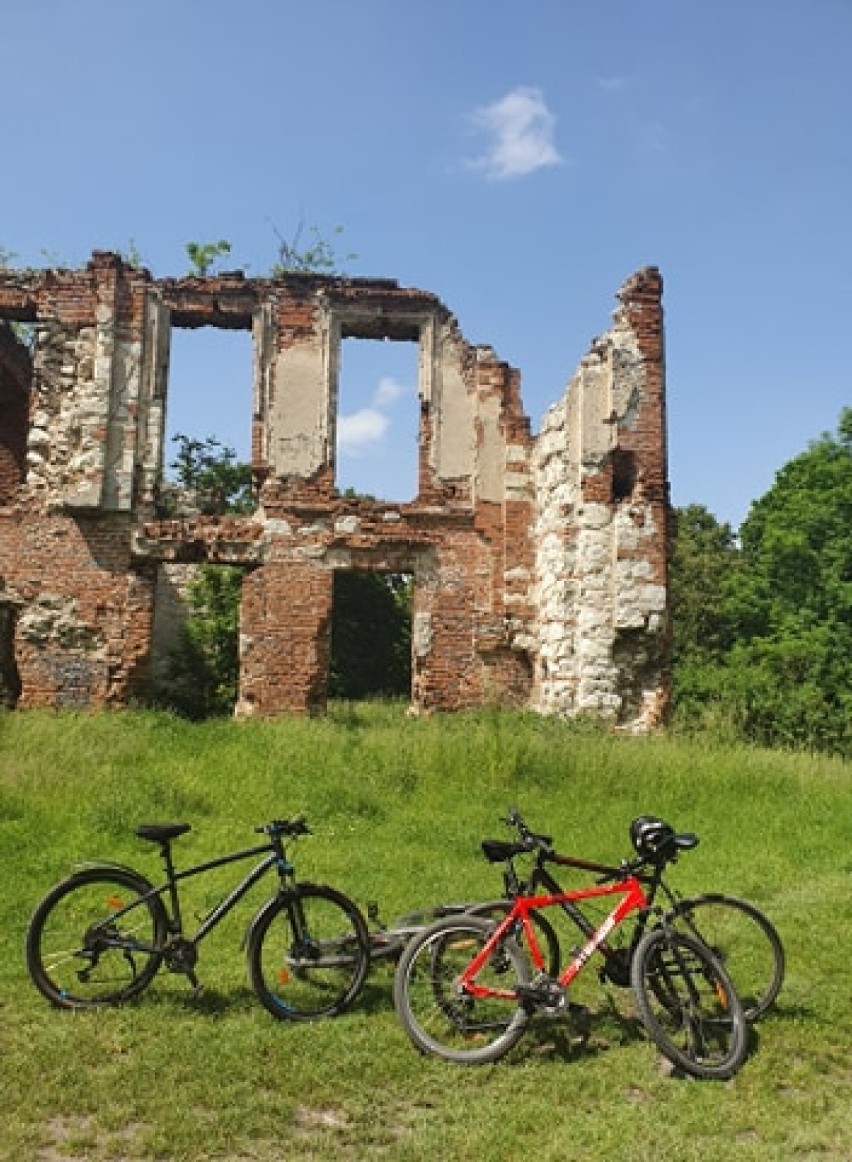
539 562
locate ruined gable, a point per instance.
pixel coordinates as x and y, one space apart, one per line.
539 563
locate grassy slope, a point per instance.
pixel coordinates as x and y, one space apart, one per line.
398 808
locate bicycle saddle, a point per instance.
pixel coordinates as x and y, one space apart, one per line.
497 850
160 832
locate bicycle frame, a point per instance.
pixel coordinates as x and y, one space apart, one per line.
633 899
169 889
540 877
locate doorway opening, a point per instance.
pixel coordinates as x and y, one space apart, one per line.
195 640
370 635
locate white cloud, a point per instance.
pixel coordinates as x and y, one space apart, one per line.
364 429
521 132
361 430
388 391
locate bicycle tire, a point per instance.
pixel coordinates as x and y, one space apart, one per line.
688 1004
96 938
308 953
744 939
440 1020
546 933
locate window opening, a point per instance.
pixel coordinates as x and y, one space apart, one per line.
623 474
16 373
378 419
10 679
210 389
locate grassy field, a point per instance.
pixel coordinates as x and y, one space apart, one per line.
398 808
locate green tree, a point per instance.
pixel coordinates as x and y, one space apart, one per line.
792 602
204 667
203 670
705 557
131 254
208 474
784 678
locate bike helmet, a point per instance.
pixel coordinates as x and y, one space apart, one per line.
652 839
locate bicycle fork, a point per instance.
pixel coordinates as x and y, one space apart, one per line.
675 966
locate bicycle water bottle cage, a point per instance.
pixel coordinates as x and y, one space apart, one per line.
498 850
161 832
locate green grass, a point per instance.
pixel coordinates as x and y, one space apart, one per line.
398 807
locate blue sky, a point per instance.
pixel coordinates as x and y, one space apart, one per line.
520 160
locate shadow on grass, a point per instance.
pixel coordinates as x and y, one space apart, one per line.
206 1001
376 997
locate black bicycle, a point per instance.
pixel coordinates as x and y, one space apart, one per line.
736 931
100 936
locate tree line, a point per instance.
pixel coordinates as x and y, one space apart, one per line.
762 620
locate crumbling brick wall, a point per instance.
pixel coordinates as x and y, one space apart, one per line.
539 563
603 525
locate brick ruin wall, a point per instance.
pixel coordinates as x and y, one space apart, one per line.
538 562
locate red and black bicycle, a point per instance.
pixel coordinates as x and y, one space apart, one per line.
466 986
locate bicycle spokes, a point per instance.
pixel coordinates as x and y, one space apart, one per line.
440 1013
308 954
95 939
688 1005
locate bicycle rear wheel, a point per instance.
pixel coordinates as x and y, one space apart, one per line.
688 1004
308 953
743 939
388 943
437 1015
96 938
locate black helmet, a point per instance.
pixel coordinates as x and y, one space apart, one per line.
653 839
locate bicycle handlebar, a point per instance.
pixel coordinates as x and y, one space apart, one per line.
291 827
532 840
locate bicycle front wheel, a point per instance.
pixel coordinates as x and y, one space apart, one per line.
96 938
688 1004
308 953
743 939
438 1016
